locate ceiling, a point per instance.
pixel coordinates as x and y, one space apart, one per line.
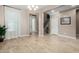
65 7
46 7
23 7
62 8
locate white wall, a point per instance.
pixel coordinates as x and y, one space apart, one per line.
24 20
41 23
41 18
54 26
25 27
2 21
12 22
64 30
25 23
68 30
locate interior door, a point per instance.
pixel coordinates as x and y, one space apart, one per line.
12 21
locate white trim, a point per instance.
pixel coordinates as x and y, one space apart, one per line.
67 36
16 37
23 35
10 38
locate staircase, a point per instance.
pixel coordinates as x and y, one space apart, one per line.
46 24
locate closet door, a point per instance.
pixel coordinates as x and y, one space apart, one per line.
12 21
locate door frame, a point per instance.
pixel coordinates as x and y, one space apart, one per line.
37 20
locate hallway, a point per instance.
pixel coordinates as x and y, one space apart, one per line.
33 44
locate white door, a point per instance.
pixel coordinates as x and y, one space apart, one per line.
12 21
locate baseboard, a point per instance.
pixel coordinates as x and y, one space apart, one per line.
67 36
42 36
23 35
10 38
17 37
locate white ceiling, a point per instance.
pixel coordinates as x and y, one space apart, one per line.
42 7
25 6
62 8
65 7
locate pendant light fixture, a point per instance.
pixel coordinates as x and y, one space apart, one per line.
32 7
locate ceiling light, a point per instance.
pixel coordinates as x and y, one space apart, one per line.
29 8
32 7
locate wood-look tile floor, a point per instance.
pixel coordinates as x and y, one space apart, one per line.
34 44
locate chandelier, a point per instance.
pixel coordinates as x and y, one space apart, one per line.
32 7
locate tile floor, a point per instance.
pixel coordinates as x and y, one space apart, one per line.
35 44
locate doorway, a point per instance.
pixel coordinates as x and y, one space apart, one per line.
46 24
77 23
51 20
33 24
